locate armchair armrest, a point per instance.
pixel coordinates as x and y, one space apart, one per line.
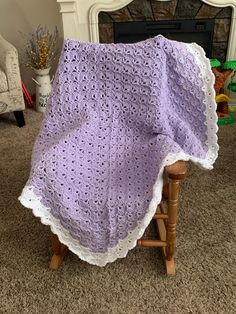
9 64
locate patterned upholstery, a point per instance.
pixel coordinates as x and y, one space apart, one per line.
11 97
3 82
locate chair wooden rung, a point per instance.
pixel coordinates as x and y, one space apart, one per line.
151 243
160 216
166 221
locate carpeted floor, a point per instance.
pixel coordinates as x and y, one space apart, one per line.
137 284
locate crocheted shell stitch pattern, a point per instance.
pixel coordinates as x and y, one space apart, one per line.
117 115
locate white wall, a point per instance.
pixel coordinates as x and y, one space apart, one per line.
25 16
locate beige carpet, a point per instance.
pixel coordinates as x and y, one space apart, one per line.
137 284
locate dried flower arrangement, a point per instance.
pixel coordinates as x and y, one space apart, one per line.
41 48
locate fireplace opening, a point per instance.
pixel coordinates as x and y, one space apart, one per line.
199 31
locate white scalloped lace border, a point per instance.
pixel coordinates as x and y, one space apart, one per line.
30 200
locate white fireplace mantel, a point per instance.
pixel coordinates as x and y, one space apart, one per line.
80 18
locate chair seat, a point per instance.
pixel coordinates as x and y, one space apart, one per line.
3 82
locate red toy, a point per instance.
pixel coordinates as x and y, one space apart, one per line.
27 97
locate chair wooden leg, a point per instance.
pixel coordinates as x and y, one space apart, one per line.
165 191
161 227
59 250
166 218
171 223
19 118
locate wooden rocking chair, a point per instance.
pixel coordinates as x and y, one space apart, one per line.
165 216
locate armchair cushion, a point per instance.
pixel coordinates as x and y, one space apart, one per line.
11 96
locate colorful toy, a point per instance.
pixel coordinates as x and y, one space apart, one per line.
222 103
231 65
222 72
27 97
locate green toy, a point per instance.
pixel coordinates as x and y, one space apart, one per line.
222 72
215 63
231 65
226 119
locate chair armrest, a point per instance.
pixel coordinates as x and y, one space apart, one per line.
9 64
177 171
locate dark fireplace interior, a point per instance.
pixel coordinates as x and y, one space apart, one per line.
199 31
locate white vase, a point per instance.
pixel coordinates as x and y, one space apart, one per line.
43 88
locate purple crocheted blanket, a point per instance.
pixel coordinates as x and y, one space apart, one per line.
117 115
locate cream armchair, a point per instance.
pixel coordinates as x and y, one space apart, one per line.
11 97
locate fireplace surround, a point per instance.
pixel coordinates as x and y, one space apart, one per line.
81 19
183 20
